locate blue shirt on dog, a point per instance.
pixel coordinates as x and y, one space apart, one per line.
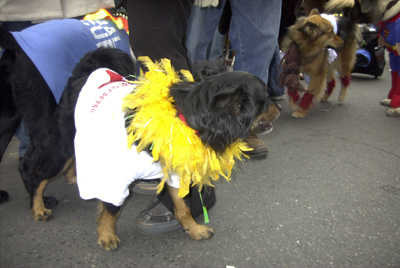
55 47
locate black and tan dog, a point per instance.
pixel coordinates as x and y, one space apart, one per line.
34 70
222 109
214 115
306 46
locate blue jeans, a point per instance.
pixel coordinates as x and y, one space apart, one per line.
273 87
253 33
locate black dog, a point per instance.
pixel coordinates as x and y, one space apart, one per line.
237 101
222 109
26 96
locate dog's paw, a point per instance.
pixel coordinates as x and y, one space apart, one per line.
343 94
393 112
41 214
200 232
50 202
325 98
298 114
109 241
385 102
3 196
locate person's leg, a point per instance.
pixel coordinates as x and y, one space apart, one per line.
157 29
254 34
275 91
159 216
202 24
22 135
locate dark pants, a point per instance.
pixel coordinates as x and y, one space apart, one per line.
157 29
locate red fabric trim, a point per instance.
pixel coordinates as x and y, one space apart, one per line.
330 86
382 24
345 81
183 119
294 95
306 100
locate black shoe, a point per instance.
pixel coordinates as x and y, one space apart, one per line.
157 219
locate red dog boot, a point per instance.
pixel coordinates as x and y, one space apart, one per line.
395 76
395 100
329 88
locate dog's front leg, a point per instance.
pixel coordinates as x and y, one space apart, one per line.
183 215
108 215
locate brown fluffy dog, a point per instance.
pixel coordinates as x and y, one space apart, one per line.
306 46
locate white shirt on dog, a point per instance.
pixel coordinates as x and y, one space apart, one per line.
105 165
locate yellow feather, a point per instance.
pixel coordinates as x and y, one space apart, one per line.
177 147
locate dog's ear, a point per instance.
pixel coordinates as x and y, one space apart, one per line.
314 11
310 29
230 101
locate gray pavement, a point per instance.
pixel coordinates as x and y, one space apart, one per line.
328 195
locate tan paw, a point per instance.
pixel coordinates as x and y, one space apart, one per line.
200 232
42 214
385 102
109 241
325 97
299 114
393 112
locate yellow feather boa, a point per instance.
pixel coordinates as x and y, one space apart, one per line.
177 147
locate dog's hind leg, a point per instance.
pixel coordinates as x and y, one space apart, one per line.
108 215
70 171
183 215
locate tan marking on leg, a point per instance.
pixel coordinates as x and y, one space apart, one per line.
38 210
183 215
107 236
70 171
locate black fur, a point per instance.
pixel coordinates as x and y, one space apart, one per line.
207 68
51 128
221 107
346 28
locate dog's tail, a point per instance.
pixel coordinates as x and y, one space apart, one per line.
111 58
7 40
338 6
